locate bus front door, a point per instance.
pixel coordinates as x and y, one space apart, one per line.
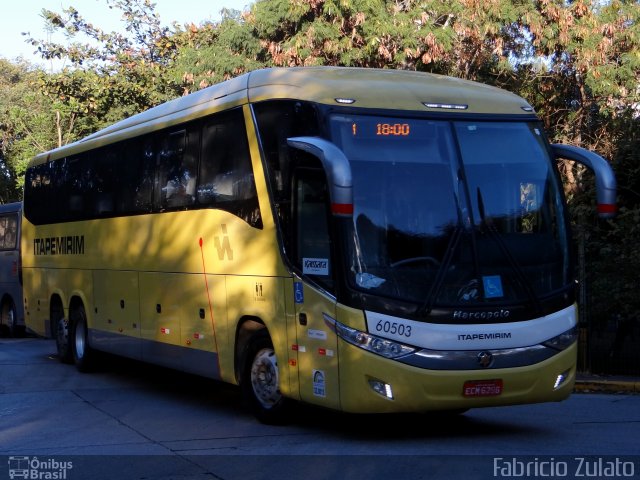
317 342
316 346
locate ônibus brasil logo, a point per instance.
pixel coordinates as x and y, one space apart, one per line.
38 469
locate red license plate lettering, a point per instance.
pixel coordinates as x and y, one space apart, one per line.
482 388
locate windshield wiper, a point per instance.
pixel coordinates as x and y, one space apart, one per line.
515 266
436 286
452 245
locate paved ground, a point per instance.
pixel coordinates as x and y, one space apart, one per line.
134 421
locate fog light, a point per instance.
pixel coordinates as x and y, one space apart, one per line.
381 388
560 379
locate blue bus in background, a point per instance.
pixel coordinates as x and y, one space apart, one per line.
11 303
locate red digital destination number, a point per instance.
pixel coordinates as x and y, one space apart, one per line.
393 129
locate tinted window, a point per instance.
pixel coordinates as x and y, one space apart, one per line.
136 167
8 232
277 121
313 242
226 176
166 170
176 168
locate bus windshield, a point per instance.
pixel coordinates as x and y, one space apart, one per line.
453 213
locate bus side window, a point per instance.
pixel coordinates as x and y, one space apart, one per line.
38 187
8 232
144 154
226 177
77 182
104 166
176 169
311 218
277 120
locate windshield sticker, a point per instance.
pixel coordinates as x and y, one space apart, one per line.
317 334
318 384
315 266
298 292
492 286
469 292
366 280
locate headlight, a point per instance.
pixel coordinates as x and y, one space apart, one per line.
372 343
564 340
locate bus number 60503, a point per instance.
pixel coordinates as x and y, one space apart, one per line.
393 328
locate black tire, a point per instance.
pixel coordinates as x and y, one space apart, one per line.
10 319
60 331
84 357
7 318
260 381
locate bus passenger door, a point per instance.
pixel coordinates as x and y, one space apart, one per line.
316 345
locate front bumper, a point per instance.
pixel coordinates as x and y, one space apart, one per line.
416 389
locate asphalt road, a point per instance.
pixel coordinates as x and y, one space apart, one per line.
135 421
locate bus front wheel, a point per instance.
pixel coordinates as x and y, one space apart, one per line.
260 381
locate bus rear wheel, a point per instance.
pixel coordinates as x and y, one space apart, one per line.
84 356
260 381
60 331
8 317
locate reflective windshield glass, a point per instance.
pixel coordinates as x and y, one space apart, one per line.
453 213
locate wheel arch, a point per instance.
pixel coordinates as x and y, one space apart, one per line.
247 326
56 311
7 326
77 300
5 297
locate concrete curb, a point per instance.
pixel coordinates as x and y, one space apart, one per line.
608 385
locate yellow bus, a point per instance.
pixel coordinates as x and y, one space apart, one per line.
363 240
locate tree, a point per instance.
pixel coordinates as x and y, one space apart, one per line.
213 52
110 75
590 97
25 126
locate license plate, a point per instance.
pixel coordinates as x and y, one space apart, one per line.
482 388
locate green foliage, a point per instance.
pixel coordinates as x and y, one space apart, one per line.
109 75
212 53
612 252
25 126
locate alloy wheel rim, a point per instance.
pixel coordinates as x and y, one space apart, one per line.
264 378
